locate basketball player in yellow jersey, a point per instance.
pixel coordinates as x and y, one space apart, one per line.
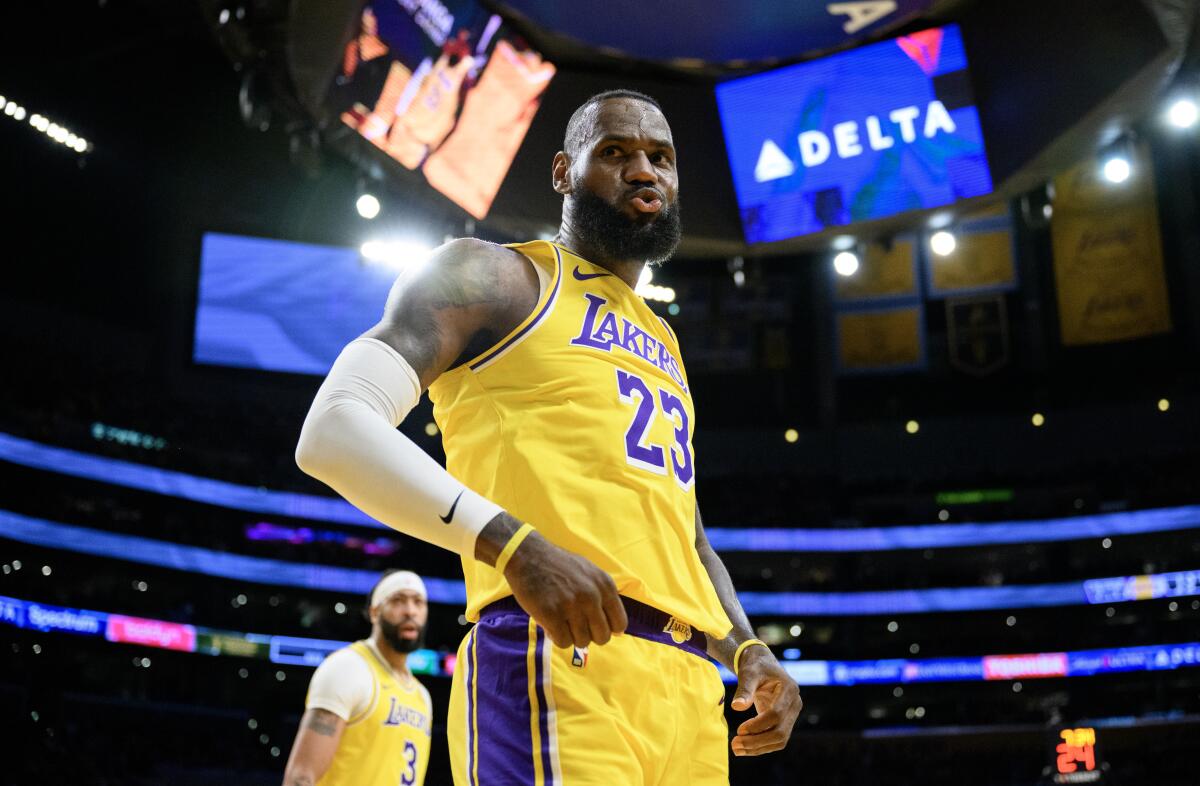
569 490
367 721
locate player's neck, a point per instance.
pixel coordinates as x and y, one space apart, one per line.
628 270
397 660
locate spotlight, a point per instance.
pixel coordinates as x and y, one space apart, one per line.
737 269
846 263
368 206
1117 169
1163 405
396 254
791 435
1038 419
645 289
1183 113
943 243
941 220
912 427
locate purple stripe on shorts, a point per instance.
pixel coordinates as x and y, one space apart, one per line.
543 713
469 685
502 683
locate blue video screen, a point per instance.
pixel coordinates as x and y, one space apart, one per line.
879 130
283 306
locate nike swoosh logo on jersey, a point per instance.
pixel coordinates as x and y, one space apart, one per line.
581 276
450 516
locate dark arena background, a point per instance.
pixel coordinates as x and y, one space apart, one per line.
937 299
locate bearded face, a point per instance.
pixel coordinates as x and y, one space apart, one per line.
615 234
405 636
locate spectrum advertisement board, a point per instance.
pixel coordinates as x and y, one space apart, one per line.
860 135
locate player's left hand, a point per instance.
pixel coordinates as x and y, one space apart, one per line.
763 683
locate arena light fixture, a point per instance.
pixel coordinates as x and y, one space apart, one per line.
649 291
655 292
791 435
846 263
42 124
943 243
401 254
1183 113
368 206
1117 168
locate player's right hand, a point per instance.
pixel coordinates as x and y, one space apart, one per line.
568 595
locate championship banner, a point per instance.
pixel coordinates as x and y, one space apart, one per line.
885 272
982 261
881 341
1108 263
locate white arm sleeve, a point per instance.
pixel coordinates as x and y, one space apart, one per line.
349 441
342 684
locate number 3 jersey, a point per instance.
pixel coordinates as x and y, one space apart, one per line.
389 719
580 422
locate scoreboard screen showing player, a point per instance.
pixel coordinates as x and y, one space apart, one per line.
440 86
879 130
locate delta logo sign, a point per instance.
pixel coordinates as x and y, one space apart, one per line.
883 129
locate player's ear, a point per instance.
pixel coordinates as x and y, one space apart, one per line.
560 173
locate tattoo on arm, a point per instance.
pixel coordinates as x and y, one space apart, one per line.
464 295
322 722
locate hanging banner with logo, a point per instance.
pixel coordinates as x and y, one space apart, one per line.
978 334
1108 264
886 272
982 259
881 340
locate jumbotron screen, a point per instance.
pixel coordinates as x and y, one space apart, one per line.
276 305
879 130
443 87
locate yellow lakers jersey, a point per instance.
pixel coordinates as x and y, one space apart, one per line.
388 743
580 422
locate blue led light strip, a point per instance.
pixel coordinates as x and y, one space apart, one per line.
194 559
330 509
310 652
180 484
261 570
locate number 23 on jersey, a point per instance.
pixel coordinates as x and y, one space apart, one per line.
647 403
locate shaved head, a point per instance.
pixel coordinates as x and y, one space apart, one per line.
583 121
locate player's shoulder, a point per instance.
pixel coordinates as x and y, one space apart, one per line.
471 251
346 660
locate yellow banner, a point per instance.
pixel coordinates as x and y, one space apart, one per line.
880 340
884 272
981 261
1108 262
